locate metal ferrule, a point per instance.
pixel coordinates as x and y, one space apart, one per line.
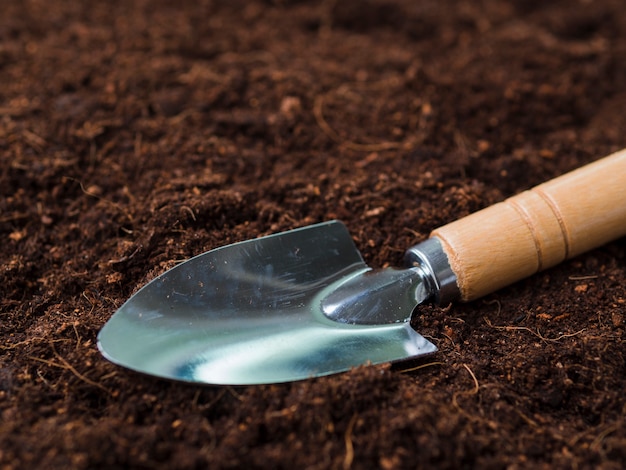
429 255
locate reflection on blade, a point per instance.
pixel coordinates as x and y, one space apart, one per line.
312 351
250 313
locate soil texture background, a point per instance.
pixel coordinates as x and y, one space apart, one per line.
136 134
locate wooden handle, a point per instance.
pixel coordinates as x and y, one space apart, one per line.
538 228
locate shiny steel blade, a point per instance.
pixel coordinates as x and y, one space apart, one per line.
254 312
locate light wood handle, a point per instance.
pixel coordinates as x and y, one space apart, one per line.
538 228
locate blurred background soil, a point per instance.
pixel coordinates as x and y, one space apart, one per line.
136 134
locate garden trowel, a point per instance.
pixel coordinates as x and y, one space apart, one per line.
303 303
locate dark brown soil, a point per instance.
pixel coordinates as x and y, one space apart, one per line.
134 134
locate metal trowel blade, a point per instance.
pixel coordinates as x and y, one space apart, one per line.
250 313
